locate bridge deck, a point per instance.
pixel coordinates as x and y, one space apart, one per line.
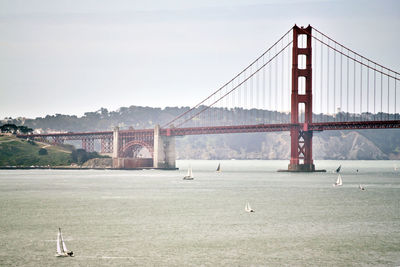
324 126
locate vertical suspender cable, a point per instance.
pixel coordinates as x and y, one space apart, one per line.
263 93
250 107
322 76
341 83
289 80
229 106
388 96
334 83
347 91
276 85
368 91
361 82
327 84
270 91
395 96
375 93
381 95
282 82
258 95
354 90
226 110
239 93
245 98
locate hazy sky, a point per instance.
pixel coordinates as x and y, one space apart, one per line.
73 56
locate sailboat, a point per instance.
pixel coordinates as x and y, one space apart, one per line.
219 167
338 169
339 181
62 250
189 175
248 208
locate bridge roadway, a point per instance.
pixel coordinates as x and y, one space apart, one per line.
160 143
321 126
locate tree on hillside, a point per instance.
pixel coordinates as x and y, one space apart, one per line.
79 156
12 128
42 151
24 129
8 128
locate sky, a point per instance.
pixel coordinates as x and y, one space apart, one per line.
75 56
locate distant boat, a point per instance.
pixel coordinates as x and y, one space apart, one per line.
189 175
361 187
219 167
248 208
395 167
62 250
339 181
338 169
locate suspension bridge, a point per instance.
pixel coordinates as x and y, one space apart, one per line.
305 82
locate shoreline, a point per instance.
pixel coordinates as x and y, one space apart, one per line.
78 168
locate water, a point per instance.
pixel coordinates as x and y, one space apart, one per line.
154 218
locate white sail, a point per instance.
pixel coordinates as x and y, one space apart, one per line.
248 208
189 175
62 250
339 181
63 245
59 251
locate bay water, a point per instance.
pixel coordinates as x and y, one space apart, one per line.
154 218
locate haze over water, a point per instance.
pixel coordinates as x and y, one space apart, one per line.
154 218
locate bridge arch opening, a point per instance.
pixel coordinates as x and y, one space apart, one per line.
137 149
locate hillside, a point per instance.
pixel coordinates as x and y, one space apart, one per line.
338 145
18 152
364 144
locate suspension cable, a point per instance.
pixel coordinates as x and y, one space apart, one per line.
240 73
356 54
244 80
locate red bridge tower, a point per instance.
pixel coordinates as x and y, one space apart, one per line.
301 136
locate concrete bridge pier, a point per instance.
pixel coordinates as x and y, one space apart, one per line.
164 150
117 162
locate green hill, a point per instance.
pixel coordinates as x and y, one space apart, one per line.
19 152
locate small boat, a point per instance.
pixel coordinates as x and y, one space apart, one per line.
248 208
339 181
361 187
219 167
189 175
338 169
62 250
